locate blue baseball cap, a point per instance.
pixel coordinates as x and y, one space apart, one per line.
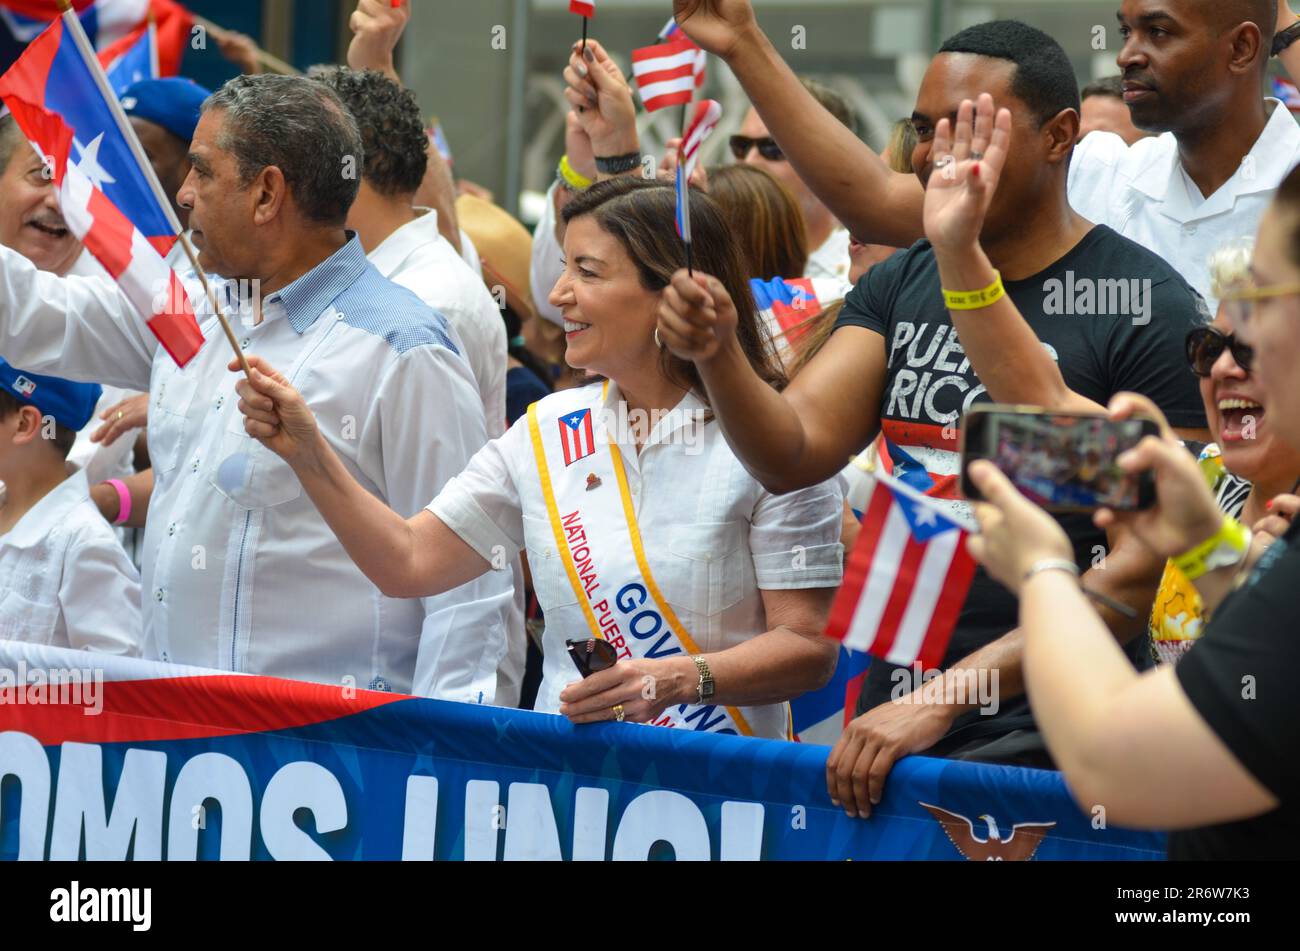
172 103
71 404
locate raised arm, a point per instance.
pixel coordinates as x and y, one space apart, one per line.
788 440
1005 353
405 558
877 204
79 328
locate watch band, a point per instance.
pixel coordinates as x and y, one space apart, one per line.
704 690
618 164
1284 38
1226 547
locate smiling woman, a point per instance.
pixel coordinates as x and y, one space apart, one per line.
711 591
30 221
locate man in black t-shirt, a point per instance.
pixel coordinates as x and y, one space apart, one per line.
929 384
1085 314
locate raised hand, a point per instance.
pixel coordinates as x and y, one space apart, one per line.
717 26
697 317
376 27
667 171
602 99
967 165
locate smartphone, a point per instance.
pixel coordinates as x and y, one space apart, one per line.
1064 462
592 656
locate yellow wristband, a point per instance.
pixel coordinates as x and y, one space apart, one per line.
974 300
572 177
1226 547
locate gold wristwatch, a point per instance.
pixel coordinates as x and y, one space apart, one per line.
704 689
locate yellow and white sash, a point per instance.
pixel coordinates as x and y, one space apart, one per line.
592 514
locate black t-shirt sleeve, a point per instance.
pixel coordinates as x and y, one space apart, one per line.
871 301
1150 358
1240 676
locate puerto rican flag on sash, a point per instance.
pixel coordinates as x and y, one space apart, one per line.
108 193
584 8
906 580
577 436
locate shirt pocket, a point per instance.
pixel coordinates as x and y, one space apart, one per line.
249 474
546 565
169 410
22 619
707 567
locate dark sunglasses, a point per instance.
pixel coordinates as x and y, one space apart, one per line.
767 147
1205 345
592 656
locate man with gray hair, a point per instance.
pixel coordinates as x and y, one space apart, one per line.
240 572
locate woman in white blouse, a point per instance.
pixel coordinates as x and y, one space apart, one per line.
642 528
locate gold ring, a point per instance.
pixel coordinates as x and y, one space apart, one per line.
121 415
618 712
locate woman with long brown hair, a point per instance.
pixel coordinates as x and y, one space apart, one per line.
692 596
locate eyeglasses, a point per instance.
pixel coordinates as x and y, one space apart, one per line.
1205 345
767 147
1240 302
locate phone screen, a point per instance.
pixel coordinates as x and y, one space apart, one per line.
1063 462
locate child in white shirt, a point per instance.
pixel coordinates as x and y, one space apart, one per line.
65 580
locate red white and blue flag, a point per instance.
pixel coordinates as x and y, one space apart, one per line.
1287 92
137 62
105 21
577 436
667 74
108 193
584 8
708 112
906 580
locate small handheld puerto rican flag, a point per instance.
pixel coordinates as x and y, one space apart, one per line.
906 580
577 436
108 192
665 74
708 112
584 8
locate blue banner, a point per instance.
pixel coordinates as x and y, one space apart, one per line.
126 759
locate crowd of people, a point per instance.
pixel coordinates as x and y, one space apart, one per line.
462 451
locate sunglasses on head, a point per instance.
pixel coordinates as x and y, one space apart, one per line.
1206 344
592 656
767 147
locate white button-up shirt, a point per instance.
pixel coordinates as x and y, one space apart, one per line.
240 571
65 580
713 536
830 261
1144 193
419 258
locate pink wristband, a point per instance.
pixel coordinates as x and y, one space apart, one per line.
124 501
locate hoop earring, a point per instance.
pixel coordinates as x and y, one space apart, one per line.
658 343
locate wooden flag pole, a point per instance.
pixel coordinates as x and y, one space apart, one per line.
273 63
216 306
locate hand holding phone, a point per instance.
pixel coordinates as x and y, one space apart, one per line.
1064 462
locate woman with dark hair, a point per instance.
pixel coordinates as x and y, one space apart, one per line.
765 218
643 530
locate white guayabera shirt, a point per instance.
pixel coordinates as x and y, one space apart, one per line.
420 259
65 581
1144 193
714 538
240 571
